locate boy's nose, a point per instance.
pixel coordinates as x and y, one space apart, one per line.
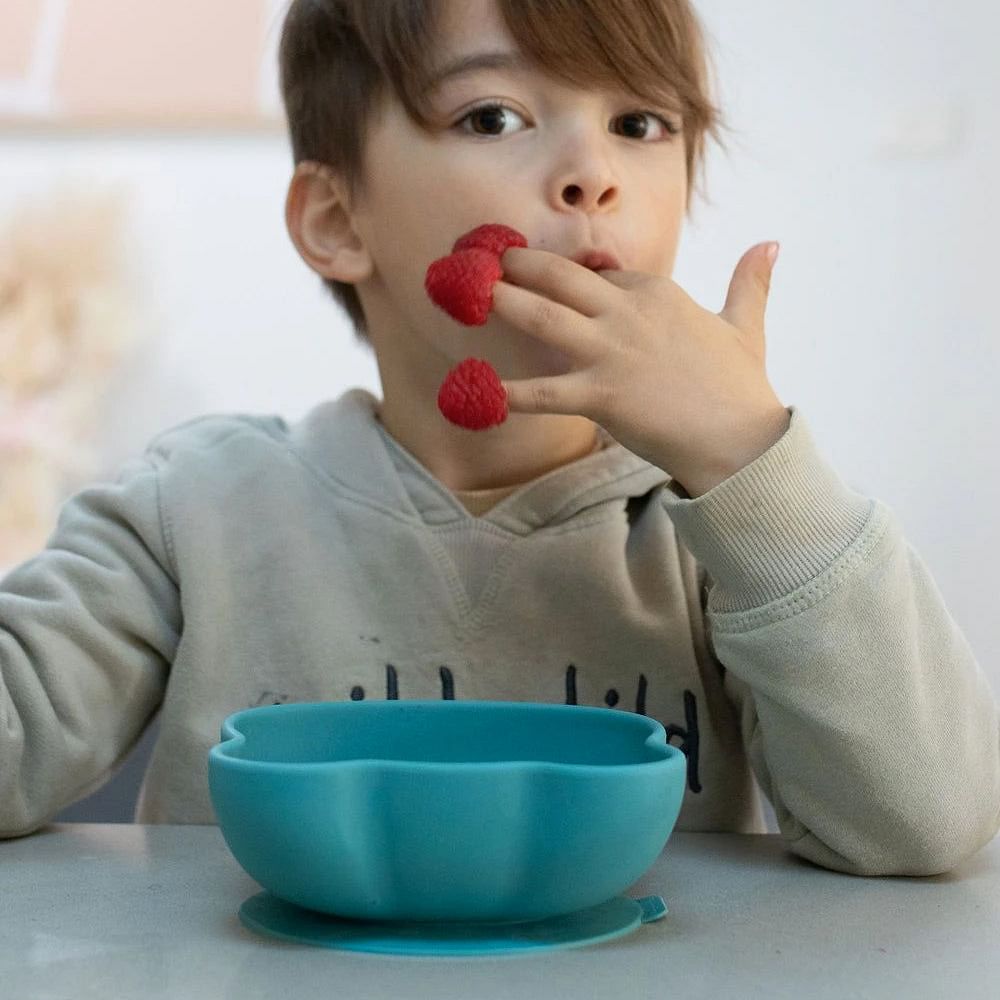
597 194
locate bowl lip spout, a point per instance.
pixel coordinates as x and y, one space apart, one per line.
649 731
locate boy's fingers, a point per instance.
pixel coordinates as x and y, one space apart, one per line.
568 394
626 280
556 324
556 278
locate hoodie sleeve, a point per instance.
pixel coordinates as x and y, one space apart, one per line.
88 629
864 714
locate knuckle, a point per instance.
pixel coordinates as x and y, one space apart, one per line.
648 311
542 315
652 307
549 271
604 394
541 396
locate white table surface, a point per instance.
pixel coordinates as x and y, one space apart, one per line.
120 911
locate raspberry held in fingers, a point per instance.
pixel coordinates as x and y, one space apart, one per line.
462 282
493 237
472 395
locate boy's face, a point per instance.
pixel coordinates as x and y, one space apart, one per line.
570 169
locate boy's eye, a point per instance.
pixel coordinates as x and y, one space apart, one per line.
493 115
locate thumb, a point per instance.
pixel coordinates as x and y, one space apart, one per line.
746 300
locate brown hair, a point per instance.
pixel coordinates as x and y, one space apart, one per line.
337 57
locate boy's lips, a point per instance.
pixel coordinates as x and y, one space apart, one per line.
598 260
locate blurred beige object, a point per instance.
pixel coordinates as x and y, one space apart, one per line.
67 319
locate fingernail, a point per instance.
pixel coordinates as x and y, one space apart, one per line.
772 252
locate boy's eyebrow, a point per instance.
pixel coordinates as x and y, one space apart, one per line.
476 61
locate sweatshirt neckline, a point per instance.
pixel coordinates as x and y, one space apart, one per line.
343 437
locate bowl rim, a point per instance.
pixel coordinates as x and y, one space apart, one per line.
232 738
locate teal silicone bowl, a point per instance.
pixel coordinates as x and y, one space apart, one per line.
444 810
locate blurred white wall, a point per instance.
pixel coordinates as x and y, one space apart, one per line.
868 144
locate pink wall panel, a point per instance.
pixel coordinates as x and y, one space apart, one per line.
18 29
161 60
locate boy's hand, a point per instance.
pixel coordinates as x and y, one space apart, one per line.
682 387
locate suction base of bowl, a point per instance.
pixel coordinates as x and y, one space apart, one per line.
269 915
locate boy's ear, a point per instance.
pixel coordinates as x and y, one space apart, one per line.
319 224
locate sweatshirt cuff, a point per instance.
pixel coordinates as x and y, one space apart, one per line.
774 525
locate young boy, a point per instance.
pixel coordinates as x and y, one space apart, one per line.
650 529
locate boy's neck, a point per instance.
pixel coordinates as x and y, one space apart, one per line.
521 449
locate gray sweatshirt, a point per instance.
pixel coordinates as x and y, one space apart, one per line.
780 627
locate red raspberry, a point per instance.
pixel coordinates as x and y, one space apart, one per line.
472 395
493 237
462 284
